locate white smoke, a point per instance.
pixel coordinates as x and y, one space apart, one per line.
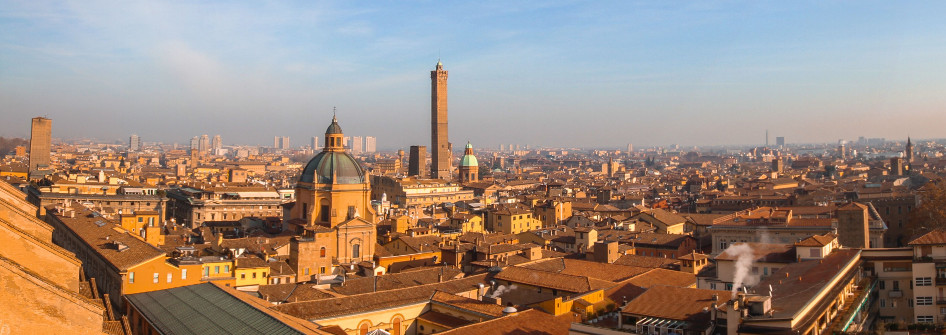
502 289
743 266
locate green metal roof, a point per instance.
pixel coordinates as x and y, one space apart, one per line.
204 309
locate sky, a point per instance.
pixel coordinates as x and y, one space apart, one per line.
540 73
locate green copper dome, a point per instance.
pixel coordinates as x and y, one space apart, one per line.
333 167
468 158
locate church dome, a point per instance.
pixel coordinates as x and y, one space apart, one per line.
334 128
333 167
468 158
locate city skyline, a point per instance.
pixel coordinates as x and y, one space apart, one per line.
708 73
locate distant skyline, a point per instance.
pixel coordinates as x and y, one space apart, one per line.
549 73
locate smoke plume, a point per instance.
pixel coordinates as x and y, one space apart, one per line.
502 289
743 266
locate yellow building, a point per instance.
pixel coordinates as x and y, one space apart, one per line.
511 220
251 271
467 223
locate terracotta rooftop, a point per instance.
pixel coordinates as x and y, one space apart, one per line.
393 281
817 240
360 303
933 237
102 234
797 284
467 304
575 267
552 280
664 277
527 322
688 304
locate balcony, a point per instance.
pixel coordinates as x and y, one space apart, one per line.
895 294
940 281
941 300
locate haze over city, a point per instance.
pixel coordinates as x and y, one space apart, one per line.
552 73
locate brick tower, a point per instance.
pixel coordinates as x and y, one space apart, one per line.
441 151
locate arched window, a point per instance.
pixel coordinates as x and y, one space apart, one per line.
396 326
363 328
322 252
356 251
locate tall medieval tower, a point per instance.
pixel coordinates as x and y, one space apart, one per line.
441 150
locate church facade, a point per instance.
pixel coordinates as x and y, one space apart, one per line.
332 217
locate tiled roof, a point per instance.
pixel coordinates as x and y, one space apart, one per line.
933 237
467 304
527 322
552 280
664 277
292 292
101 235
688 304
393 281
360 303
817 240
443 320
603 271
795 285
646 261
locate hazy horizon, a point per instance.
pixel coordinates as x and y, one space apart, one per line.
553 74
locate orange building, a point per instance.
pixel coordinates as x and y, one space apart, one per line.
120 262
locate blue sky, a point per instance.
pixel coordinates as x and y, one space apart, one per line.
555 73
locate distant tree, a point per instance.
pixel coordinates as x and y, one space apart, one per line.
931 212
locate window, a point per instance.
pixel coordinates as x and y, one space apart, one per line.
356 251
226 268
141 219
883 285
924 281
896 285
254 275
242 276
306 271
883 303
910 303
924 301
131 277
155 277
722 245
322 270
183 273
322 252
217 269
924 318
169 277
942 310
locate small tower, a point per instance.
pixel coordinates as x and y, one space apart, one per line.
469 166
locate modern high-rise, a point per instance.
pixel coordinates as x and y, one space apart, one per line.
780 140
216 143
441 155
417 162
281 142
195 143
134 143
371 144
204 144
357 145
40 138
630 148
